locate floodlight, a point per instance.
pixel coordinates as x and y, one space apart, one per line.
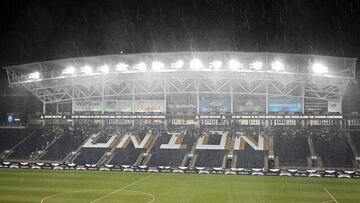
68 71
235 65
216 64
277 66
178 64
257 65
319 68
86 69
105 69
157 66
34 75
121 67
140 66
196 64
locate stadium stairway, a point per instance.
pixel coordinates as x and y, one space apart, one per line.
353 148
312 153
148 157
230 147
107 155
193 159
18 144
107 159
142 159
73 155
45 150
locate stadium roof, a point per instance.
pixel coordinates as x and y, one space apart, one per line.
294 63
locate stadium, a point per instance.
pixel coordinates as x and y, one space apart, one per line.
183 127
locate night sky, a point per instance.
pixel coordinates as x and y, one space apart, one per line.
33 31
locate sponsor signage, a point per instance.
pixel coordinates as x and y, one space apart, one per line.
118 116
283 104
152 106
215 105
334 107
87 105
249 104
315 106
287 117
12 118
124 106
185 104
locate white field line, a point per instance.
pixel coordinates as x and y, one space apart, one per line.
123 188
79 191
64 193
330 195
327 201
145 193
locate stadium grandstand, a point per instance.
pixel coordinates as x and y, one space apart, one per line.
201 112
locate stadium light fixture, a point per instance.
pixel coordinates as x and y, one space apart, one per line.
140 66
68 71
216 65
196 64
34 76
257 65
319 68
157 66
105 69
235 65
178 64
121 67
86 69
277 66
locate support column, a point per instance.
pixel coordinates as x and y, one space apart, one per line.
267 96
165 103
232 100
44 108
303 97
267 85
198 98
133 104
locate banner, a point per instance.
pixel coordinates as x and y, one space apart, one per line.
185 104
87 105
334 106
315 106
215 105
154 106
249 104
118 106
284 104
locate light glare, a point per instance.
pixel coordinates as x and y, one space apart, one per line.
277 66
178 64
69 71
157 66
140 66
121 67
104 69
319 68
196 64
256 65
235 65
86 69
216 64
34 75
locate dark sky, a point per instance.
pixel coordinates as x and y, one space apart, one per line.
50 29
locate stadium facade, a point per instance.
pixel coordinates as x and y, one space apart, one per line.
234 110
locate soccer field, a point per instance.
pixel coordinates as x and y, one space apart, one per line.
90 187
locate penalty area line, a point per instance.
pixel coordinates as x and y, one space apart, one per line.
330 195
123 188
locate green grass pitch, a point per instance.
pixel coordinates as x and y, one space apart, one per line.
89 187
